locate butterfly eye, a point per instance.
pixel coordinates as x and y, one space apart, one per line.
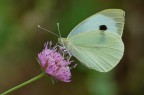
102 27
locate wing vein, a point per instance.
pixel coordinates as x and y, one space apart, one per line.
90 59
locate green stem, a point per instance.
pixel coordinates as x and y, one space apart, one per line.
23 84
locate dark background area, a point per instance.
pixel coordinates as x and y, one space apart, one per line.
21 40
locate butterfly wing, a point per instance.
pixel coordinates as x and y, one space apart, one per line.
113 19
99 50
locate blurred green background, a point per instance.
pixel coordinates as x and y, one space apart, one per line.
21 40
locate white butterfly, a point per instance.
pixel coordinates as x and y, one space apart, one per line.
96 42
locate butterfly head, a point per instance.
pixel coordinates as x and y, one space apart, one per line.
62 41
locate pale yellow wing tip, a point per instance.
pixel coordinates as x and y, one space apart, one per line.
113 11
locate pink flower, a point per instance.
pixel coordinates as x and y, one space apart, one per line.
54 64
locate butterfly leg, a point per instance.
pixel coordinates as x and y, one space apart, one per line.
64 50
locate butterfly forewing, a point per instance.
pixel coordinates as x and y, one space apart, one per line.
111 19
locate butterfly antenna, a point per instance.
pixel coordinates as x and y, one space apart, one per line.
59 30
48 31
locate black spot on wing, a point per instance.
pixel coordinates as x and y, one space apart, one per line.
102 27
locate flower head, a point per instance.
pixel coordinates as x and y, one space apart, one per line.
54 64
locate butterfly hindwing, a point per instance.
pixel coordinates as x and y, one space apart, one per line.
98 50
